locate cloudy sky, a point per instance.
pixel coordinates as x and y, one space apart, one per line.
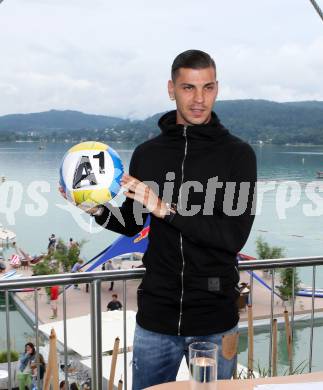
114 57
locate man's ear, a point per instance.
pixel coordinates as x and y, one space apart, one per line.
171 92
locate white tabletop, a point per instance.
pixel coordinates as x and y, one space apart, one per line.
79 331
3 374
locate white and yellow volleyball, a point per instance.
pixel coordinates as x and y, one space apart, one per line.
90 173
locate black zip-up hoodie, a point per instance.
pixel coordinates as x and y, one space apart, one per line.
190 285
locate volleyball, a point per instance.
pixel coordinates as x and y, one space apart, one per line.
90 174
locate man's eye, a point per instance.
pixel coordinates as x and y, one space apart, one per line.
187 88
209 87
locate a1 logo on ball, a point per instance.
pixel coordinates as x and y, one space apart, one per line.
91 173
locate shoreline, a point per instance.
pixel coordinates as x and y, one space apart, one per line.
131 143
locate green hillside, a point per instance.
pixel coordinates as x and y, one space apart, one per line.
252 120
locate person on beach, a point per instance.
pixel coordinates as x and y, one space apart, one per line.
196 181
74 245
41 367
54 294
51 243
71 243
114 304
24 374
2 265
109 267
77 268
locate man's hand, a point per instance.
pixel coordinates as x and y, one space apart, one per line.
88 208
62 192
143 194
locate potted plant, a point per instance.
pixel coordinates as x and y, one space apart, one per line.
14 359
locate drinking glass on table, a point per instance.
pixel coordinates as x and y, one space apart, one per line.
203 361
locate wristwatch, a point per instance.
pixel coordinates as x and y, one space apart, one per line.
171 212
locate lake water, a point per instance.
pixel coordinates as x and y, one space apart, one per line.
299 234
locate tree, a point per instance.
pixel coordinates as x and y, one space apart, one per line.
48 266
286 280
265 251
61 260
68 256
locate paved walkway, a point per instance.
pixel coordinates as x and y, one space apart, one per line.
262 301
78 301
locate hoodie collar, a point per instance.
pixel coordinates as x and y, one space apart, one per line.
213 129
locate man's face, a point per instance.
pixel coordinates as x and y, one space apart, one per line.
195 91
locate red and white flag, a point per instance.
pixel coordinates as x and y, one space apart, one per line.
15 260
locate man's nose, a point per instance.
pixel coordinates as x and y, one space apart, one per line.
199 96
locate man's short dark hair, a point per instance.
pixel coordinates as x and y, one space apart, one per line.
114 295
192 59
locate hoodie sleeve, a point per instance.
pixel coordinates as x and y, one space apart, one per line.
122 219
227 230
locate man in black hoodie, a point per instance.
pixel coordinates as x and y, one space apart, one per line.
196 181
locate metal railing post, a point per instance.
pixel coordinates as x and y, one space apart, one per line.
292 321
65 340
271 321
7 300
125 335
96 335
37 337
312 321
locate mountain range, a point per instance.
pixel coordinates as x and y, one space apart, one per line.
252 120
